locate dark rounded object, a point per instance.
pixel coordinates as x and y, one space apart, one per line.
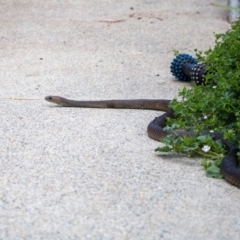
198 73
177 66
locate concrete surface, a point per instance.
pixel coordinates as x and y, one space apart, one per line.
91 173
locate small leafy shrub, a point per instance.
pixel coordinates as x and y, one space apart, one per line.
213 107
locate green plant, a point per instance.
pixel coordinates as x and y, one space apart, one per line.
212 107
225 7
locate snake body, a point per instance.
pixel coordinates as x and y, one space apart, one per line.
229 166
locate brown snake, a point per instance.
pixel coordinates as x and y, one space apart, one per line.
229 166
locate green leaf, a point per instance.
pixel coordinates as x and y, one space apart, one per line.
213 171
163 149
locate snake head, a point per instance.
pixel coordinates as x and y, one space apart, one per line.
55 99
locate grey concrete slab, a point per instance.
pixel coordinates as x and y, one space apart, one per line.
92 173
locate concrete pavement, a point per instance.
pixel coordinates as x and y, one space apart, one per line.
93 173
